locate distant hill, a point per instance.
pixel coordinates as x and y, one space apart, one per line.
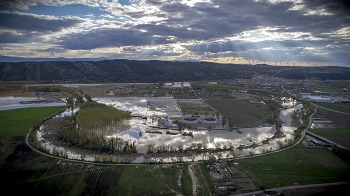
20 59
121 70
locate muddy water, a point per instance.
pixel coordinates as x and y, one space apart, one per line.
10 103
141 134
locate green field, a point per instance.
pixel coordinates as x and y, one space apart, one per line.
338 107
17 122
298 165
333 132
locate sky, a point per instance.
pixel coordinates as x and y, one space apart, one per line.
241 30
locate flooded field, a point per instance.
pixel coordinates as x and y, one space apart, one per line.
10 102
208 144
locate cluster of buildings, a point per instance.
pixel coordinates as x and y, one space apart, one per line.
177 85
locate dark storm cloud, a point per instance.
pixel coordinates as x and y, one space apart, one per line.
15 38
100 38
333 6
232 17
210 21
32 23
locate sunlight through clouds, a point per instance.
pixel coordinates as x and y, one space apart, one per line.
177 30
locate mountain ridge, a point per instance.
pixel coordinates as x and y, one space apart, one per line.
123 70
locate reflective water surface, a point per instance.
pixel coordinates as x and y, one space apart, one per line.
238 143
10 103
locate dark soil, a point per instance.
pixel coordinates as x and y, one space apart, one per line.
19 154
337 118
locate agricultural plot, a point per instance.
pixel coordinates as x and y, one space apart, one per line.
30 173
340 136
194 107
337 118
228 179
338 107
300 165
17 122
242 112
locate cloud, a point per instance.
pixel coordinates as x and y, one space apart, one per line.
34 23
271 29
26 4
9 37
100 38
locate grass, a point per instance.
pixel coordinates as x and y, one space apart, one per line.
205 187
338 107
299 165
149 180
186 181
17 122
334 132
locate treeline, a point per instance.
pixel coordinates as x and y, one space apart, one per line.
75 136
305 112
11 87
45 88
99 118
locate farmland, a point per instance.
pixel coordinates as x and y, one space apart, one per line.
32 173
299 165
242 112
17 122
338 107
337 118
194 107
338 135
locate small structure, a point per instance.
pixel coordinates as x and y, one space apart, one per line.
164 122
190 120
177 85
209 120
